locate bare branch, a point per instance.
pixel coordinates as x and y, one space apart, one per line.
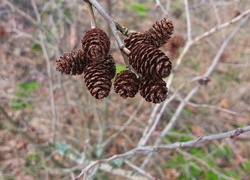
20 12
109 20
91 14
139 170
211 31
49 72
150 149
188 21
195 89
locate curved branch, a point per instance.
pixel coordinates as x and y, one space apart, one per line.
144 150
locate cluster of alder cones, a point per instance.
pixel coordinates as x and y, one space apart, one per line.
149 64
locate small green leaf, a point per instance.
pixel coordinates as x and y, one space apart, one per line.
118 162
246 166
29 87
232 174
22 93
140 9
18 104
62 148
195 170
198 153
36 47
187 112
119 68
211 175
68 14
99 152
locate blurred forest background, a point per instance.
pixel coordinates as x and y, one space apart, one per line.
51 127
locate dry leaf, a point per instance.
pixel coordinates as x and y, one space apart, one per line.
224 103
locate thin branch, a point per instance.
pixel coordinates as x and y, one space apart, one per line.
219 27
139 170
189 30
38 17
130 120
213 107
91 14
20 12
144 150
195 89
113 26
125 31
109 20
199 160
49 72
158 4
148 132
51 89
3 113
211 31
217 17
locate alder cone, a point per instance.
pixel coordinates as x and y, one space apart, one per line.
72 63
126 84
150 61
160 32
153 90
135 39
174 44
109 62
97 80
96 44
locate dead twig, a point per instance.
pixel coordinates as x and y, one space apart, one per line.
150 149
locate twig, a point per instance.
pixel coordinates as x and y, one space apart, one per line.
150 149
38 17
131 118
112 25
213 107
91 14
189 30
211 31
125 31
158 4
139 170
217 17
199 160
22 13
13 123
147 134
109 20
151 121
193 92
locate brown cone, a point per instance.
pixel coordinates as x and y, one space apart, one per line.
174 44
149 61
135 39
109 62
96 44
126 84
160 32
97 80
72 63
153 90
